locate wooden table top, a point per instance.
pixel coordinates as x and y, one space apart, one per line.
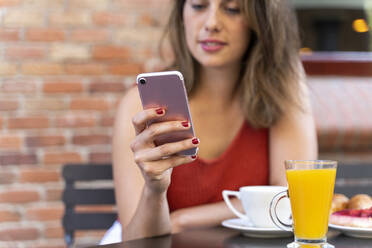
220 237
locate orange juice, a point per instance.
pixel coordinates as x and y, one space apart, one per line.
310 192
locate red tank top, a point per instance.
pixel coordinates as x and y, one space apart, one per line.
244 162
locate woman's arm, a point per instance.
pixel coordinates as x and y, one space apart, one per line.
293 137
206 215
129 183
142 170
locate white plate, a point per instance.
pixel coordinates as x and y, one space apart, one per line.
353 231
256 232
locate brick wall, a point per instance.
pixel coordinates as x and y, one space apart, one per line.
64 65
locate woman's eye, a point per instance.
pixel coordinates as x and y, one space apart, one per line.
233 10
198 6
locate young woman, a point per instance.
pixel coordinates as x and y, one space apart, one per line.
250 108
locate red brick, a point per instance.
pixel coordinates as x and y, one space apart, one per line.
85 69
100 157
107 87
89 35
41 104
54 232
28 122
75 120
107 121
39 176
53 194
48 5
45 213
104 18
7 178
69 19
95 208
90 104
111 52
90 234
19 196
24 52
87 140
56 244
18 86
62 158
42 68
125 69
63 87
147 20
8 68
69 51
19 233
9 216
23 18
44 141
17 159
90 4
45 34
10 142
7 3
9 35
8 105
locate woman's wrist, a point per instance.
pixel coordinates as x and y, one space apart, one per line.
150 193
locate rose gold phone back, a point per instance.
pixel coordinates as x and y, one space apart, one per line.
167 91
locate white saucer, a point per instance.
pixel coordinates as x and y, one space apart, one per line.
255 232
353 231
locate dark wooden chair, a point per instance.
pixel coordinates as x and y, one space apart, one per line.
352 179
89 194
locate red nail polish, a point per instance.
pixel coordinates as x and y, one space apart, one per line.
185 123
159 111
195 141
193 156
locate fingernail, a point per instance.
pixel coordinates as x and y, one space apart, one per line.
195 141
159 111
193 156
185 123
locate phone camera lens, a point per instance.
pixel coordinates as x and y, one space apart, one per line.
142 81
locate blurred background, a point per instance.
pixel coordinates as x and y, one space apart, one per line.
65 64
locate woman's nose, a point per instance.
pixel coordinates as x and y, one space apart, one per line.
213 22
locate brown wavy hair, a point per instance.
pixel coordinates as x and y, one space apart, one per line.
271 68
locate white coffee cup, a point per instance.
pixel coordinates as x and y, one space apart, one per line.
256 203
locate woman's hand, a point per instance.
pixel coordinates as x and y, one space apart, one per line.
156 162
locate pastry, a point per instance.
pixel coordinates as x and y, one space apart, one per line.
360 201
356 212
339 202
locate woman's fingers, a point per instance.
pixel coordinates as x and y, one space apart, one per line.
155 170
147 137
165 150
140 120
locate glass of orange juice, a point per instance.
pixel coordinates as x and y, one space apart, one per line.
310 190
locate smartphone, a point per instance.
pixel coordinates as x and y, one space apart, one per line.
167 90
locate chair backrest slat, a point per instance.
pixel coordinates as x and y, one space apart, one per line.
89 221
79 172
88 196
87 193
352 179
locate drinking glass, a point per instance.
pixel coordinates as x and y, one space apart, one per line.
310 190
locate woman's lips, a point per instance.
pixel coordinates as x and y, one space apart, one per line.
212 45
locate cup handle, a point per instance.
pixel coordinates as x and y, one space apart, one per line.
226 194
274 216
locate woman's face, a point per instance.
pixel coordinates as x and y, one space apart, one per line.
216 31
